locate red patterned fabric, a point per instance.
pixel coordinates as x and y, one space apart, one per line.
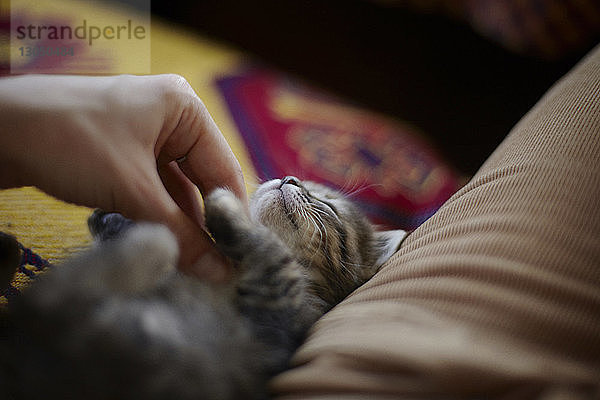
290 129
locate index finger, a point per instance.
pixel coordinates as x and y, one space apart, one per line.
196 142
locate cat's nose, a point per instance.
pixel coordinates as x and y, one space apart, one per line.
290 180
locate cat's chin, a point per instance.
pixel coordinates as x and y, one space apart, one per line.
267 205
278 206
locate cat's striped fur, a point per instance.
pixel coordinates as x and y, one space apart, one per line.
119 322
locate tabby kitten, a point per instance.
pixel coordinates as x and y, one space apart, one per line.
118 321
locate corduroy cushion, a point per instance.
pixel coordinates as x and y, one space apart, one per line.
498 294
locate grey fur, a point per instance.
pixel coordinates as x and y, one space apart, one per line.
118 322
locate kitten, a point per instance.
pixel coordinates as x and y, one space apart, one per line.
119 322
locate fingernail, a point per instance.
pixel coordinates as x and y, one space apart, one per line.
211 267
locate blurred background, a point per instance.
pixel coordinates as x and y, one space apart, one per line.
396 102
463 71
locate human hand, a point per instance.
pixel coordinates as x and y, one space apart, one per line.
112 142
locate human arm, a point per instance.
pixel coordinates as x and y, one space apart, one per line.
112 142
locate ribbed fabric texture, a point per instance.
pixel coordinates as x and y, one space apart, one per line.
498 294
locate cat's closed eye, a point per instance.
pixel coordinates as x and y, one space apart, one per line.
328 234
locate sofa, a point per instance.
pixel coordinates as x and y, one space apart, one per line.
497 295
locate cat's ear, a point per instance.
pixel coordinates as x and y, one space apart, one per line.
387 243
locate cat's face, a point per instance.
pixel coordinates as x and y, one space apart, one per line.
327 233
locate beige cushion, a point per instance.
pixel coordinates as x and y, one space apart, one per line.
498 294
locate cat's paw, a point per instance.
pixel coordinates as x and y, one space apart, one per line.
108 226
141 260
227 222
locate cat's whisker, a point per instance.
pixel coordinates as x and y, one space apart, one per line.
356 185
345 268
351 185
326 214
324 236
316 221
355 182
308 218
362 189
312 218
